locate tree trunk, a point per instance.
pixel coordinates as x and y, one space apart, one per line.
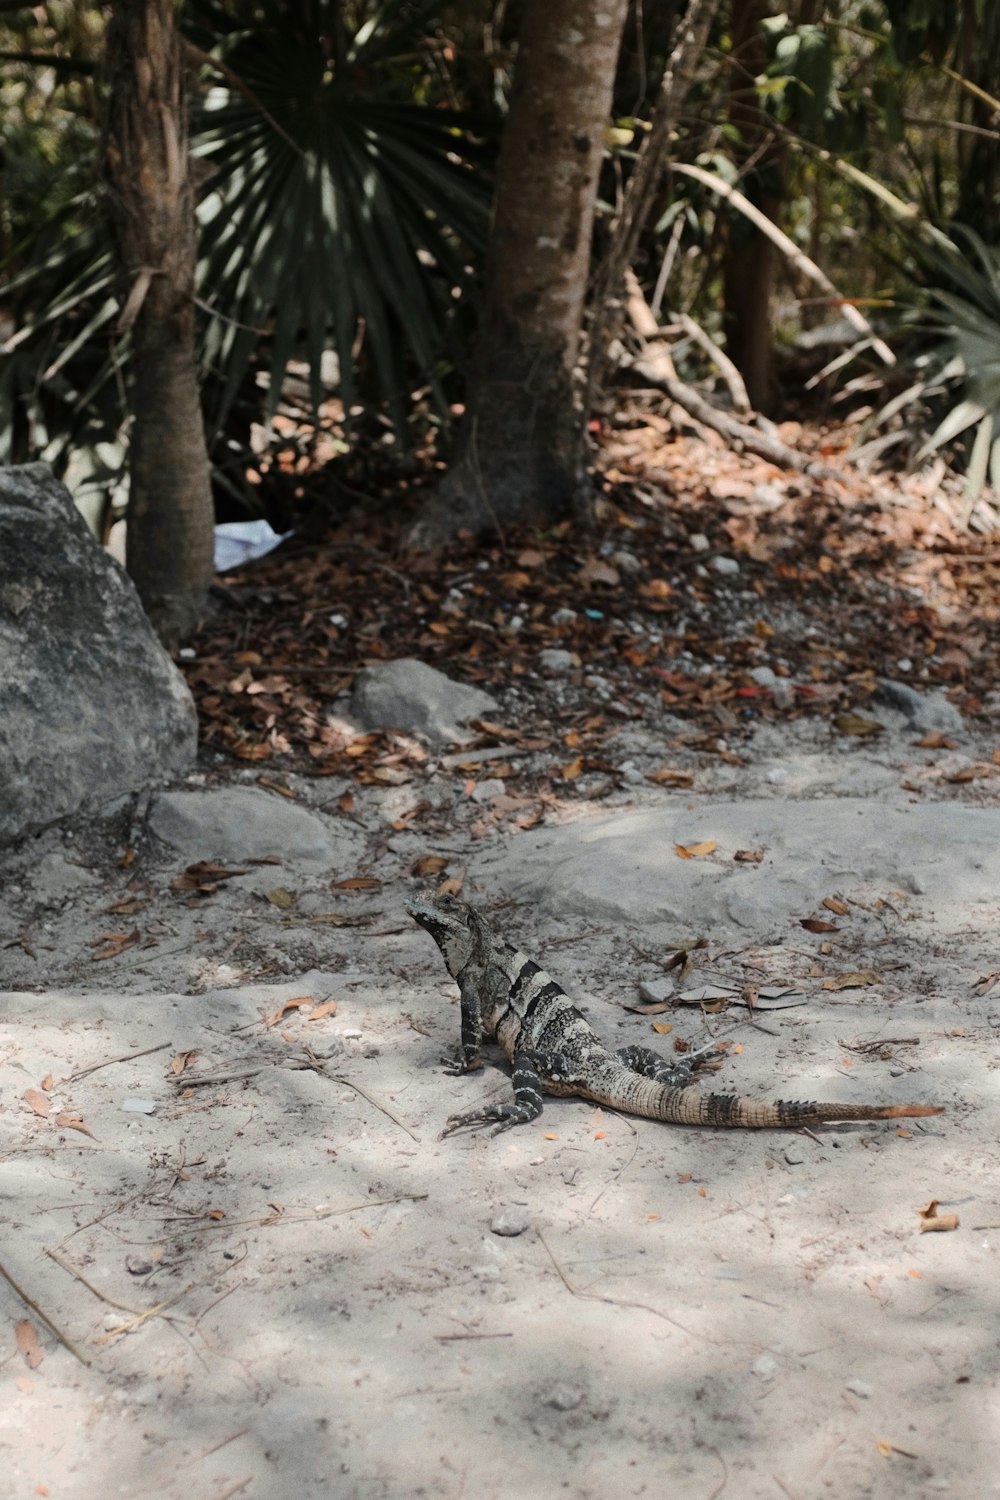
170 517
520 446
748 278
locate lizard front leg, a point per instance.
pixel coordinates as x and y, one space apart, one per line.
467 1059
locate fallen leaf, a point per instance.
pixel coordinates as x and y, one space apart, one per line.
856 980
931 1221
550 1135
816 924
749 856
346 802
70 1120
935 740
357 883
180 1061
280 897
46 1083
28 1346
671 776
294 1004
695 851
275 786
216 1213
852 723
429 864
114 943
37 1101
683 1176
595 571
600 1135
328 1008
662 1028
835 904
571 770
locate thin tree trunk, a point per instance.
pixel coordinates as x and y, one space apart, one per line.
520 447
748 278
643 184
170 517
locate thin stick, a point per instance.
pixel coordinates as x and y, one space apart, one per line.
77 1275
376 1104
125 1057
235 1487
28 1302
448 1338
161 1307
576 1291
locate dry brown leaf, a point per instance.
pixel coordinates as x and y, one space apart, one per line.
180 1061
69 1120
852 723
346 802
28 1345
328 1008
671 776
429 864
836 905
275 786
280 897
816 924
596 571
452 886
696 851
662 1027
114 943
294 1004
46 1083
357 883
935 740
749 856
857 979
216 1213
37 1101
932 1222
550 1135
571 770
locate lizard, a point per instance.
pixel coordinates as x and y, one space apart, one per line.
507 997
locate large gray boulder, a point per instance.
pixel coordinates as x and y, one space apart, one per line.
91 706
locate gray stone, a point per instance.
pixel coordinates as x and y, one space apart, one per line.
557 662
565 1397
408 694
859 1387
726 567
236 823
510 1221
91 706
922 711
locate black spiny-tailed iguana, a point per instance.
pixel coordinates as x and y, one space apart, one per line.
508 997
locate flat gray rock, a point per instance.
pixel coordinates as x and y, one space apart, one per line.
921 711
940 855
91 706
237 823
408 694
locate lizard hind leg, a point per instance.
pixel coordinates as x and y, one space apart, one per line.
650 1064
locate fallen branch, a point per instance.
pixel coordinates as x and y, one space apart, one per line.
30 1302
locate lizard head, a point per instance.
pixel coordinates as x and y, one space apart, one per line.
450 923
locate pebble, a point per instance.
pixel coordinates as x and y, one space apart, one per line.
563 616
656 991
485 791
626 561
859 1387
765 1366
134 1106
556 661
564 1397
794 1155
510 1221
726 567
698 542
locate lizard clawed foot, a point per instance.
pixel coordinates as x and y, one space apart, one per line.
501 1116
457 1065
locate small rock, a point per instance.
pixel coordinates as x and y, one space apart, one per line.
626 561
555 661
656 991
563 616
794 1155
765 1366
510 1222
777 775
138 1265
564 1397
136 1106
726 567
763 676
859 1387
698 542
922 711
485 791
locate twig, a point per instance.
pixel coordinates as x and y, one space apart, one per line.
280 1217
722 362
616 1175
29 1302
235 1487
160 1307
125 1057
576 1291
725 1476
375 1103
78 1276
448 1338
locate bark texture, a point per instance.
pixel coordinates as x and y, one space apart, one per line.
520 446
170 517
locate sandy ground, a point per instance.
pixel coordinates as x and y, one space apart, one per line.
281 1283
